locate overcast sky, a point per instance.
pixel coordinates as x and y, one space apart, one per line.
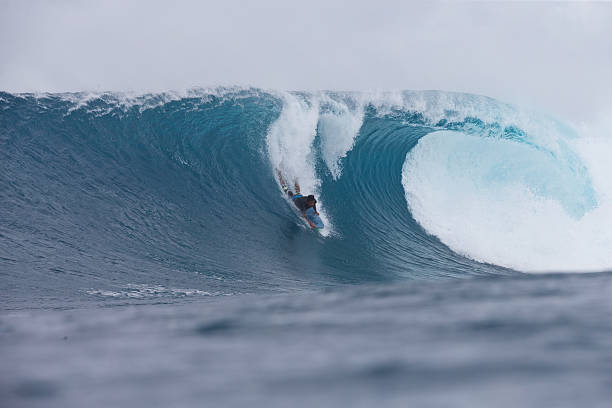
555 57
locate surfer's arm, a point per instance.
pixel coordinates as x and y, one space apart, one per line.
314 207
308 221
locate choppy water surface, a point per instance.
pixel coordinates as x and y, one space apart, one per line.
484 342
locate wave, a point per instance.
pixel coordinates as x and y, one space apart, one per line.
165 189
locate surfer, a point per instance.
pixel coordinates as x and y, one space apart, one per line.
307 205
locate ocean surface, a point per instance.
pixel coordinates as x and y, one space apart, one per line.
148 257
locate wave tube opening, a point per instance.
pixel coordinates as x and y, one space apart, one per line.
510 203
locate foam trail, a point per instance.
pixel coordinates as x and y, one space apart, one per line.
290 140
338 128
290 145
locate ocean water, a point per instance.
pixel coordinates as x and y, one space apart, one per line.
149 258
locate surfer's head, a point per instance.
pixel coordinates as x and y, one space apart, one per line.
310 200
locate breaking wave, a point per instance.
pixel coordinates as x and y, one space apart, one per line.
178 190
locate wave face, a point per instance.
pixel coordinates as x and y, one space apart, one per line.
133 195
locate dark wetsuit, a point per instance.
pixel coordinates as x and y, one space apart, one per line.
310 213
299 201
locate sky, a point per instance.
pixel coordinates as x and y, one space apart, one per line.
550 56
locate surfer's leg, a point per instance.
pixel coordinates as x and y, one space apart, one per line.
281 179
283 183
297 187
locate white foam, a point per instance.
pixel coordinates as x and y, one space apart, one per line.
502 220
142 291
125 100
290 141
291 137
290 146
338 129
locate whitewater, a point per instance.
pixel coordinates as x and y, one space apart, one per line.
459 223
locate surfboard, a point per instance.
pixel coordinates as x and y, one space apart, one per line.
314 218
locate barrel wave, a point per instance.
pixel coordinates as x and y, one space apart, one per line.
167 195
